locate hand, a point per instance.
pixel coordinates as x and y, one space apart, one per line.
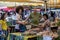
36 29
24 22
40 33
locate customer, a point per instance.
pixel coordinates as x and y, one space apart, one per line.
46 24
9 18
52 17
20 26
3 23
13 18
27 12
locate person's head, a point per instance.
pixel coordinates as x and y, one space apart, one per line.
45 16
4 15
8 14
19 9
35 11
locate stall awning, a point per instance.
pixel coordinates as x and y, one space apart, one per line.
52 3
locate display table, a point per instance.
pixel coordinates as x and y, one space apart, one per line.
31 37
19 36
12 35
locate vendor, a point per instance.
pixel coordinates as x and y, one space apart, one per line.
4 24
20 26
34 18
46 24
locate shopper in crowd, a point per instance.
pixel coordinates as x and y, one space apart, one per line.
8 18
52 16
20 26
46 24
3 24
34 18
27 12
13 18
